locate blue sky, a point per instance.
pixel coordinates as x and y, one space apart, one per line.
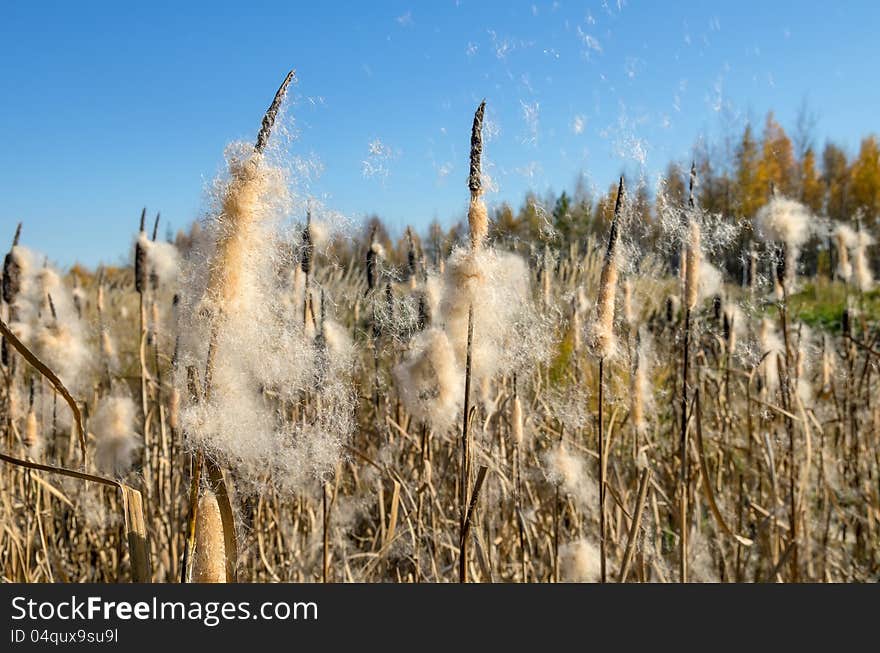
107 107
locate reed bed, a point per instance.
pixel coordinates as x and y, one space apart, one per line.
275 401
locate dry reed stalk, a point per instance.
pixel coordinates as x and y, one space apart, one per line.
636 524
133 513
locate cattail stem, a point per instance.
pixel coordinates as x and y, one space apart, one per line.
683 477
636 524
465 451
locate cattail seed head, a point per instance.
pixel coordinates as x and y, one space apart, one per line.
107 348
307 248
140 258
11 277
174 408
603 342
209 557
478 216
864 277
516 421
31 431
478 220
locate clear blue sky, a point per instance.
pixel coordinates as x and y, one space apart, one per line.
109 106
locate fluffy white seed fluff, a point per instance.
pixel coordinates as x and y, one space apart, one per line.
579 562
785 221
430 381
116 441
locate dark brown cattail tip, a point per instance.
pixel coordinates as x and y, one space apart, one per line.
51 306
692 185
424 317
371 269
140 267
11 278
612 236
156 227
308 249
272 113
780 263
17 236
143 219
475 181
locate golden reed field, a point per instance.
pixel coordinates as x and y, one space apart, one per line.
676 393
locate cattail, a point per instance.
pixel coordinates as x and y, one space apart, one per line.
107 347
31 432
780 259
272 113
243 207
12 271
411 258
372 253
579 562
140 258
638 386
516 421
861 268
174 408
827 365
729 326
478 216
603 341
771 345
209 557
115 437
787 223
306 246
692 264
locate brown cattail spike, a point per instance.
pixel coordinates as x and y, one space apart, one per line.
371 261
12 271
209 559
692 184
308 247
140 258
475 181
272 113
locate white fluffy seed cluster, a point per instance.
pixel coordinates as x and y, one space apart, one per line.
508 333
265 358
116 441
47 321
